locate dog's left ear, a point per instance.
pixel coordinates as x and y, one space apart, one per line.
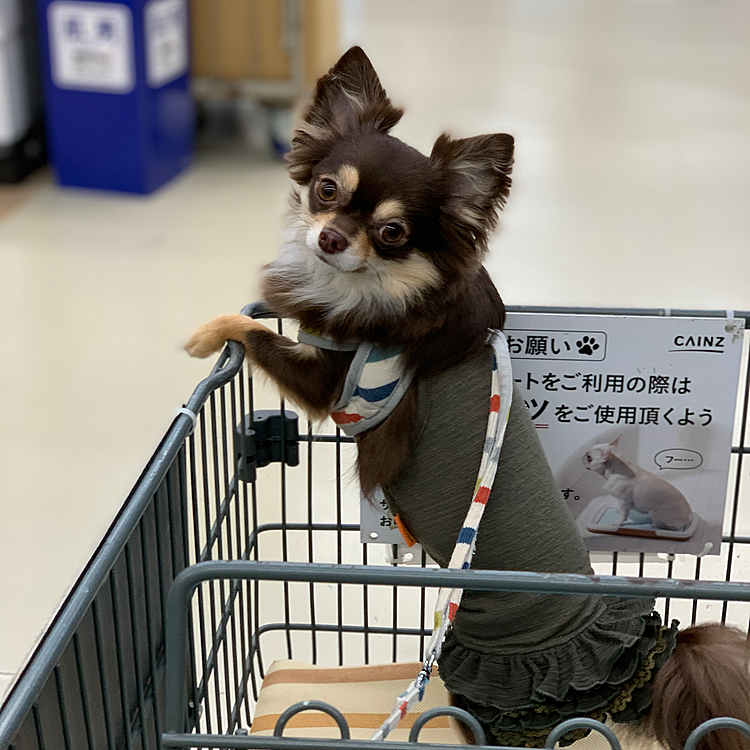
348 98
477 178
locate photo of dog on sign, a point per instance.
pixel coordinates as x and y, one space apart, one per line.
646 505
629 493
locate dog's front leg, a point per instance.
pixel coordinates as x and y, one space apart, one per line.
211 337
311 377
623 511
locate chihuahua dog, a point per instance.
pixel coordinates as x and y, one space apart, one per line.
384 245
635 488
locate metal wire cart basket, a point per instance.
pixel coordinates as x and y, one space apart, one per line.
240 544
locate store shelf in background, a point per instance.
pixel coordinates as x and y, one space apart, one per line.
271 50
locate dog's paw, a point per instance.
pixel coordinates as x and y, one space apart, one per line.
208 339
211 337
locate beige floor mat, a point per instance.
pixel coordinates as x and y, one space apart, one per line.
365 696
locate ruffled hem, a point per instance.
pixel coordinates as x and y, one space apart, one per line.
605 655
623 702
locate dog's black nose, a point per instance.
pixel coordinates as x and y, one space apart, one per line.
332 242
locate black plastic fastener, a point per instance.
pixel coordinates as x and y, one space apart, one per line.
269 436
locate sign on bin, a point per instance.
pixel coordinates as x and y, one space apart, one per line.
166 41
91 46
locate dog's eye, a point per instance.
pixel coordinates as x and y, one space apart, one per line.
327 190
392 233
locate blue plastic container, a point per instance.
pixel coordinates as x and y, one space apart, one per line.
119 111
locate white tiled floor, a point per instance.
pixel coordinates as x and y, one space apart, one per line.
97 294
632 121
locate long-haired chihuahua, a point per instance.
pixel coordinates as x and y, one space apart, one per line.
385 245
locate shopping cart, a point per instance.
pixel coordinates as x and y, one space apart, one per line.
240 545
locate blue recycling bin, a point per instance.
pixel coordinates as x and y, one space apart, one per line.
119 112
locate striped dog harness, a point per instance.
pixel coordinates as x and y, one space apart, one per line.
375 383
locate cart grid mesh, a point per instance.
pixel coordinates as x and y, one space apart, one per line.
96 680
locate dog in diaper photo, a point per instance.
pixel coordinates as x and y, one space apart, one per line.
642 497
401 343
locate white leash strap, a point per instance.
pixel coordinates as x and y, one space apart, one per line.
448 600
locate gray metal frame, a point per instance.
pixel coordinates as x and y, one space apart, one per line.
97 678
190 579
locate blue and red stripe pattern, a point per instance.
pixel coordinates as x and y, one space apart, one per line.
375 382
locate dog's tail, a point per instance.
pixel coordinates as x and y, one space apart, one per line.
707 676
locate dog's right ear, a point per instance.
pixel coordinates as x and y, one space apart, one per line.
348 98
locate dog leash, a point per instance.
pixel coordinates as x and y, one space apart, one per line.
448 600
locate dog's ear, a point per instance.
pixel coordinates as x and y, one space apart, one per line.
476 175
348 98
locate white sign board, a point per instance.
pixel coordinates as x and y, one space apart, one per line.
166 41
91 46
636 416
376 523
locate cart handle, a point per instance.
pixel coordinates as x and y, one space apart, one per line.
457 713
711 725
582 723
326 708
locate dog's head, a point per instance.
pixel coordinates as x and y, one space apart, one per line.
377 226
599 457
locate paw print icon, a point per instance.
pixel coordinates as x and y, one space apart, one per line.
587 345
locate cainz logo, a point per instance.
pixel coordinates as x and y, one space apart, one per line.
708 344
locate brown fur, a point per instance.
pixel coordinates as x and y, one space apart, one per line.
211 337
383 450
327 121
443 305
390 208
448 202
461 186
463 730
312 378
348 178
316 384
706 677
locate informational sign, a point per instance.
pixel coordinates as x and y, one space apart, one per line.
166 41
376 523
636 417
378 526
91 46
